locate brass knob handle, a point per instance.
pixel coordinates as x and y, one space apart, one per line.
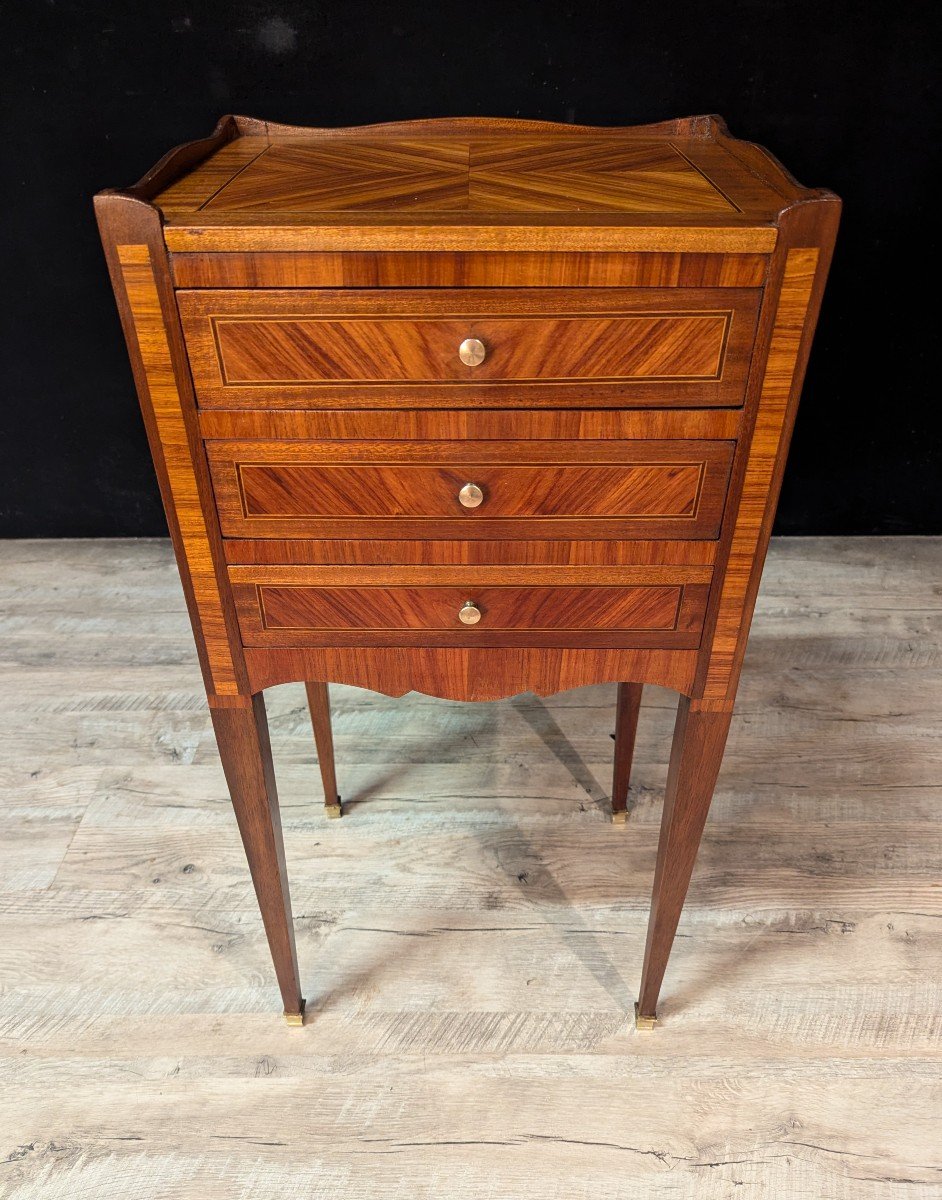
471 495
469 613
472 352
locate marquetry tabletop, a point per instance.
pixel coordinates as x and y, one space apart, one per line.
621 186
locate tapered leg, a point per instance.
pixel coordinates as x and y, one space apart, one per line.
245 750
318 699
696 754
627 706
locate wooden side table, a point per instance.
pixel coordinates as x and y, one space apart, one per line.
470 407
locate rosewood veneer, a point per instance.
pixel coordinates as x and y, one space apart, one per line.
469 407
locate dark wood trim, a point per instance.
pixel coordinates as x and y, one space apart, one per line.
627 708
707 126
178 162
318 699
244 747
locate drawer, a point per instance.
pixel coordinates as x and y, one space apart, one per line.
470 489
276 348
470 606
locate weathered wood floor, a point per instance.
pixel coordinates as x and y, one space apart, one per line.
471 934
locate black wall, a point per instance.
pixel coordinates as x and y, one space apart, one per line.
94 93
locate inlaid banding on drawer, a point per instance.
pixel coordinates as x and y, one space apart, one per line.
665 490
290 489
302 606
278 347
527 608
285 350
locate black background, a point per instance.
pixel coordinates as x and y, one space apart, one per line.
843 93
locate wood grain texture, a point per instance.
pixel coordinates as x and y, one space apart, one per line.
484 424
290 351
642 555
484 184
801 274
696 755
627 710
294 608
453 673
318 701
763 452
186 161
500 175
130 236
256 235
241 730
464 575
763 180
411 489
190 191
141 290
300 269
395 613
470 938
265 348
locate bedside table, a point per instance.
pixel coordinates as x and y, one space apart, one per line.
471 408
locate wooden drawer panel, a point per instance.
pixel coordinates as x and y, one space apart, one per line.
488 424
284 348
305 606
659 561
411 489
296 350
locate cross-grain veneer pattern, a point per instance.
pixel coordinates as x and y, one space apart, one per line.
544 488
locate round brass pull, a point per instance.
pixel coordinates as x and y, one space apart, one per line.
472 352
469 613
471 495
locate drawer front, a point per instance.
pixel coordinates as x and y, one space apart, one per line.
470 489
284 347
285 606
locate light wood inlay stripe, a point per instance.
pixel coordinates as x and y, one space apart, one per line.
221 235
139 282
794 299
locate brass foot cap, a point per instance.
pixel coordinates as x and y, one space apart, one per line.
298 1017
620 817
644 1023
334 810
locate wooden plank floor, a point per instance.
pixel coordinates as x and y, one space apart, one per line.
470 935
